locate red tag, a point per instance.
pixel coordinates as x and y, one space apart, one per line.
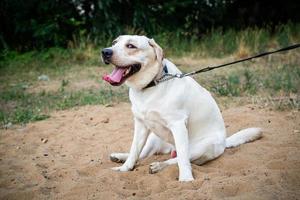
173 154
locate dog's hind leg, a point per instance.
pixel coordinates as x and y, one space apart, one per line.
119 157
206 150
154 145
200 153
158 166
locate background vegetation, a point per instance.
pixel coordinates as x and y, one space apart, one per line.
28 24
49 58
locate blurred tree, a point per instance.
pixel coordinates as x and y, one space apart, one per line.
244 13
27 24
36 23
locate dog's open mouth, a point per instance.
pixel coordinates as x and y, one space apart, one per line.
121 73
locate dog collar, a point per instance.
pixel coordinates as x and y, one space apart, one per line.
154 82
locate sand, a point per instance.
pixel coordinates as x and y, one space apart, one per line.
67 157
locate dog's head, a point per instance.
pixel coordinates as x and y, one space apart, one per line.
137 60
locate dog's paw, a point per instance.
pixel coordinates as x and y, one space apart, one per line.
115 158
121 168
155 167
186 176
186 179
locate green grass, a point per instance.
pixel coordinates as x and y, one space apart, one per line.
216 43
280 79
23 98
36 106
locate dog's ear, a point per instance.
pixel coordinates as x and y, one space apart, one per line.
158 50
116 40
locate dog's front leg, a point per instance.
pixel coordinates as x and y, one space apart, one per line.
181 139
140 136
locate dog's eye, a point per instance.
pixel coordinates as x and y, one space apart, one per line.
130 46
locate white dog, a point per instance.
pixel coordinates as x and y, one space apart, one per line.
174 116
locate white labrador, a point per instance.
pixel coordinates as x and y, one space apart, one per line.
177 114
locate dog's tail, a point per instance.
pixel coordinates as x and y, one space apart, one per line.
243 136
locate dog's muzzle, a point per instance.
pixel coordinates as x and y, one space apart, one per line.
106 55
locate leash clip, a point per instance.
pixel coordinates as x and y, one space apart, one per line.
179 75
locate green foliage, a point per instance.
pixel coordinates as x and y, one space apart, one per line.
80 98
32 24
279 79
27 115
19 71
16 92
34 107
3 118
284 78
218 43
227 86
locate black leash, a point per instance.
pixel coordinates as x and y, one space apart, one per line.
241 60
168 76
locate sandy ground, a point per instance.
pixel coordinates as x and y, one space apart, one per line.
67 157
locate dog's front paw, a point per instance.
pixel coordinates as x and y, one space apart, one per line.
186 176
186 179
122 168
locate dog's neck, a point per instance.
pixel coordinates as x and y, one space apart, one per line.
140 81
163 71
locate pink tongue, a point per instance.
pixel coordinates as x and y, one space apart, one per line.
116 75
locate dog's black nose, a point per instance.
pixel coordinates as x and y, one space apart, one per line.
107 53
